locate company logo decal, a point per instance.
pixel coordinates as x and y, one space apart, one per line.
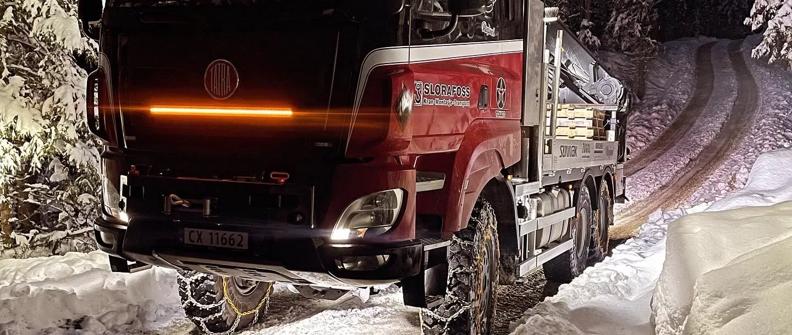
221 79
437 94
568 151
500 93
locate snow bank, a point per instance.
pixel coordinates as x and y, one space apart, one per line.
729 269
612 297
78 291
769 182
736 280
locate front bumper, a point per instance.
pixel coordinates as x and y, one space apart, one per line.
273 254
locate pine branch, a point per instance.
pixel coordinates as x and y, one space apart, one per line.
24 69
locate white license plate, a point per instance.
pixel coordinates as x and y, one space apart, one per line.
216 238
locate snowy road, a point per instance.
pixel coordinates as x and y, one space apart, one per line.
675 192
705 78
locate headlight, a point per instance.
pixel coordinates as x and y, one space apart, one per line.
373 214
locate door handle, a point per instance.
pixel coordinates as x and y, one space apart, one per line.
483 101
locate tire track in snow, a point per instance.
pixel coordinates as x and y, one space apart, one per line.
705 79
715 153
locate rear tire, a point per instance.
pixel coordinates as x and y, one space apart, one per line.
221 305
469 303
603 219
571 263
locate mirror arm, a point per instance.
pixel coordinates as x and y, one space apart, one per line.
91 28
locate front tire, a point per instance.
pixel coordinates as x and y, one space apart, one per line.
221 305
469 303
572 262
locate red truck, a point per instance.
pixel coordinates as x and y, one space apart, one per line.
447 146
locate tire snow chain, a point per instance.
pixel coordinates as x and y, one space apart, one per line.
195 302
460 241
219 315
234 308
451 317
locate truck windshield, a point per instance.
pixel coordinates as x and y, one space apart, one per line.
175 3
324 7
281 10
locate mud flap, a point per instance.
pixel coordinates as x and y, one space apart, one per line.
430 281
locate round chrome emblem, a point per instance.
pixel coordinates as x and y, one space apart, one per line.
221 79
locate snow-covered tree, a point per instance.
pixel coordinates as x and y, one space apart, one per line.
733 12
625 26
580 16
48 160
586 36
775 16
630 27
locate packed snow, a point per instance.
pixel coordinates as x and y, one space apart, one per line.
771 130
613 297
78 291
668 88
727 265
705 129
729 268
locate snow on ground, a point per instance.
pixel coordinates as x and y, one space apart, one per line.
614 296
383 313
728 270
77 291
671 163
771 130
610 298
668 88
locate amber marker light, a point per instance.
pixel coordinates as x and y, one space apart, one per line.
208 111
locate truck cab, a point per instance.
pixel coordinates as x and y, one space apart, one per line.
337 145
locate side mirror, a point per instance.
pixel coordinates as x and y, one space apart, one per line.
90 13
94 98
467 8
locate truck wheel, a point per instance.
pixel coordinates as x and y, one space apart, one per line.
469 303
572 262
221 305
603 219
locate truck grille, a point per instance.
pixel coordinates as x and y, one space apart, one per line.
216 200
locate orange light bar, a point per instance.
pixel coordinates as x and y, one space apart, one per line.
204 111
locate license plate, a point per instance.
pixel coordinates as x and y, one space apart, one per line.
216 238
